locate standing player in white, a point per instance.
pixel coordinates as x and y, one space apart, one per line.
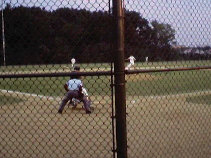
147 59
73 62
132 62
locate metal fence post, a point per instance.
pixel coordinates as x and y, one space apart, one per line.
119 73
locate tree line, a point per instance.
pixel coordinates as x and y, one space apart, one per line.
38 36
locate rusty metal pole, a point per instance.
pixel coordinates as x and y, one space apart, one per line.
119 74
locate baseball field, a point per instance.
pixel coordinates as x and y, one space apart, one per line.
169 114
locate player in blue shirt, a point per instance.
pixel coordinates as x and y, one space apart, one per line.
74 89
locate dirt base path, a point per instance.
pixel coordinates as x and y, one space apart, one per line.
157 126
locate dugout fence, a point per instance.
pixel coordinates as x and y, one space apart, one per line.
158 107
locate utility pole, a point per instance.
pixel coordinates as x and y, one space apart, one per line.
3 34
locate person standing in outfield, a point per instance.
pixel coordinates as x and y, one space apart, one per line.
73 62
74 88
132 62
147 59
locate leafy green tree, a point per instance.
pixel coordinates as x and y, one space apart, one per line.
162 38
37 36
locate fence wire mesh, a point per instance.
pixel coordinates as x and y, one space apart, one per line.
168 109
32 127
44 41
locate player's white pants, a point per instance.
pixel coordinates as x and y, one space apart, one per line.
73 63
84 91
129 66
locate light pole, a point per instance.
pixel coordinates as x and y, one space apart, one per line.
3 35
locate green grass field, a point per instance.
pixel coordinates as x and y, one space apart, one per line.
100 66
140 84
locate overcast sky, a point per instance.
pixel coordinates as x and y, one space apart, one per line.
190 18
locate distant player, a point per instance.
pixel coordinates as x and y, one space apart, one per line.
147 59
132 62
73 62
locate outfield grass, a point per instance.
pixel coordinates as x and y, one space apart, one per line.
138 84
53 67
54 86
169 83
191 63
100 66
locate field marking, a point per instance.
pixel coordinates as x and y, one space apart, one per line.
23 94
129 98
17 93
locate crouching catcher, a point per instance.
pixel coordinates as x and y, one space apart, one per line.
74 88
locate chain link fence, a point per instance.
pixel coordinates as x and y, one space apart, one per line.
168 107
167 62
42 39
